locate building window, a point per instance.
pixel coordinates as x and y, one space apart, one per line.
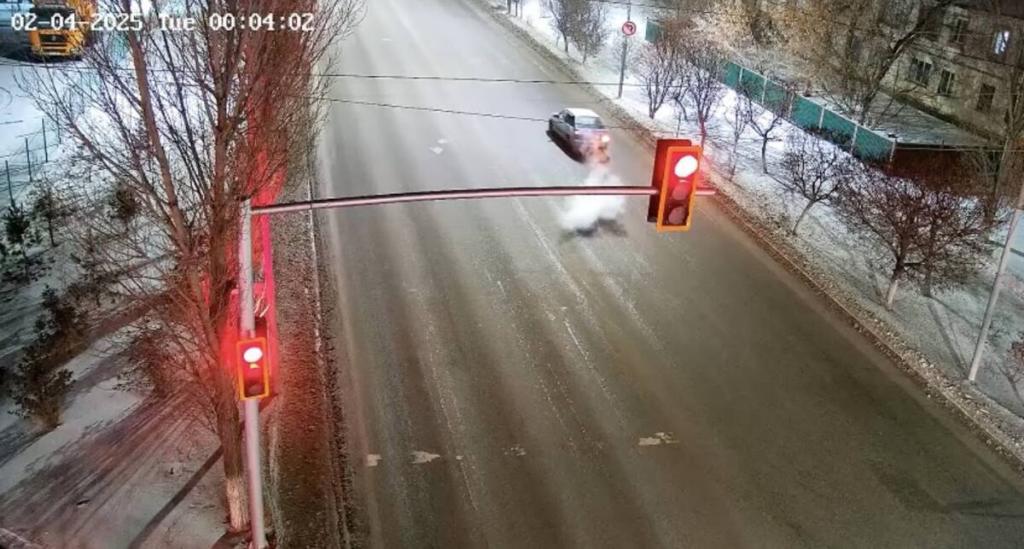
988 93
958 32
946 81
1001 43
920 71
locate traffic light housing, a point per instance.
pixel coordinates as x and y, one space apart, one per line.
253 368
676 177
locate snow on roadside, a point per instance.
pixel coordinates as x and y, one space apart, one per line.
942 328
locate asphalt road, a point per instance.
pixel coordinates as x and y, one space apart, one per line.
508 385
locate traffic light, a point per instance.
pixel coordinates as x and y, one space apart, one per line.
253 368
676 177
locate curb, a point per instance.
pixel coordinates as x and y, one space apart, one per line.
952 396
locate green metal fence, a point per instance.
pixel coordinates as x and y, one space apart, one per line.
808 115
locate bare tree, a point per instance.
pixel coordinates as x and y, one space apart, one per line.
815 170
891 209
764 122
738 124
955 240
929 235
659 66
564 17
589 32
190 123
704 86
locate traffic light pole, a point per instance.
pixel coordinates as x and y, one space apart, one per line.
247 327
247 322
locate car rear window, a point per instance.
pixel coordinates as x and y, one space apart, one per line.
589 122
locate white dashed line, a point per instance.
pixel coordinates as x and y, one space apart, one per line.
419 457
658 439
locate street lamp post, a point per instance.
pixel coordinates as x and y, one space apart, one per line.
986 323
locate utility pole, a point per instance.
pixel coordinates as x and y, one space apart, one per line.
247 326
625 47
10 190
1004 259
28 159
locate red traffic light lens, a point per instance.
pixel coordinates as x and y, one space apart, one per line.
252 355
686 166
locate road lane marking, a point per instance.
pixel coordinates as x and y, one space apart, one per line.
419 457
516 450
436 150
372 460
658 439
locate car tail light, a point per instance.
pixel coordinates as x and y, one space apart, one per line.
606 138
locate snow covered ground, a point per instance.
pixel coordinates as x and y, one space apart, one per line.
943 328
123 469
22 125
110 474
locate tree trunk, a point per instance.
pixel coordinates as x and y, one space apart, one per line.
865 106
890 295
49 227
764 155
565 43
796 225
732 159
928 283
703 130
234 478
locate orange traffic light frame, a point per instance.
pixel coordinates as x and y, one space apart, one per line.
668 152
242 366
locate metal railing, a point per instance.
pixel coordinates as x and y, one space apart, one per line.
23 163
810 116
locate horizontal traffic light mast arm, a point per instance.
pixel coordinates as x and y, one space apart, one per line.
460 194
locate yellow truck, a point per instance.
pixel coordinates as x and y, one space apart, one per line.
61 27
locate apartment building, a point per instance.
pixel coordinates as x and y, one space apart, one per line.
960 69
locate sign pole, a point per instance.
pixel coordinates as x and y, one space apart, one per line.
625 48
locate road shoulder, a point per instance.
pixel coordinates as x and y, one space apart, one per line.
306 463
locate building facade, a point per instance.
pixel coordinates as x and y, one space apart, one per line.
960 69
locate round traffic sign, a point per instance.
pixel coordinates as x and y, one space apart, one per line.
629 28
